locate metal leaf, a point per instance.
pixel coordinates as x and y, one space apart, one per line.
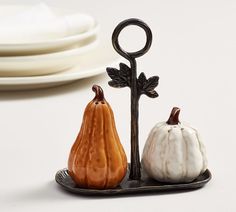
142 79
151 83
152 94
117 84
125 70
112 72
125 73
120 78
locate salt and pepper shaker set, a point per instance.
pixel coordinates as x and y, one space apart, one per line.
173 153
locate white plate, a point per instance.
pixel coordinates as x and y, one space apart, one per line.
44 63
44 46
91 64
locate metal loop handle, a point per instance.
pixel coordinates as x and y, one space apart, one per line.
115 42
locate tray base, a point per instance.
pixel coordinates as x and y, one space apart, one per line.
127 186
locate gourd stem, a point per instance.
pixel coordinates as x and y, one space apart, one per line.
174 116
99 95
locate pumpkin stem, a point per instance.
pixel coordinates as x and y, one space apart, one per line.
174 116
99 96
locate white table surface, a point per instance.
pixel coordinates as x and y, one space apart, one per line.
193 52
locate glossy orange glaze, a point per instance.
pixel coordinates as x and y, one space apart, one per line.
97 158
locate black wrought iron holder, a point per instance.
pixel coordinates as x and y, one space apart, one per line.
136 180
127 77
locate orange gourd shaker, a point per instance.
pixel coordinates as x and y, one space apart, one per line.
97 158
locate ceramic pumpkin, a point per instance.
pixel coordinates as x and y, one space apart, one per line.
97 158
174 152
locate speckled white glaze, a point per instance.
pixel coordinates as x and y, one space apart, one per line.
174 153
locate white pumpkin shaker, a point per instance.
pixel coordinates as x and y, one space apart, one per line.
174 152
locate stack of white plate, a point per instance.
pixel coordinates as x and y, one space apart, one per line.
41 46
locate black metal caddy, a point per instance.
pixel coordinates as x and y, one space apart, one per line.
136 180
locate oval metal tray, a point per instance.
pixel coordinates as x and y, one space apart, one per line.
127 186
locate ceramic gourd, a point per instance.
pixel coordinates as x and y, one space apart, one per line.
97 158
174 152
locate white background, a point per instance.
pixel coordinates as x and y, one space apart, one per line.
193 52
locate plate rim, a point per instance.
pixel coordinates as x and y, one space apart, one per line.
69 51
77 37
59 77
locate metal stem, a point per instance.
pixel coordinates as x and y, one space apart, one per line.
135 173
